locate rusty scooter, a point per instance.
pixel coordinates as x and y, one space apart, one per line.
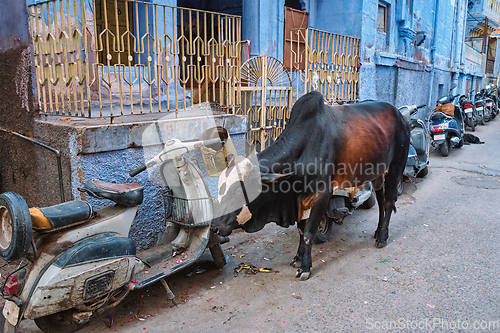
66 262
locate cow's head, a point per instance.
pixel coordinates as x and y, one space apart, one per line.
240 196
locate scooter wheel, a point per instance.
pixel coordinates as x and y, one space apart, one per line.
445 148
472 126
422 173
370 202
400 186
59 322
218 255
15 226
324 230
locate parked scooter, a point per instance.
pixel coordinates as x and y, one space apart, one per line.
480 108
490 102
447 126
418 154
468 111
78 261
342 204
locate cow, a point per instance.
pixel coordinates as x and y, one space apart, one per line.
322 148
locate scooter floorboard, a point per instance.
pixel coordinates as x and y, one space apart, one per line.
170 263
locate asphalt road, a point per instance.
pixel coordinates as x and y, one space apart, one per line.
439 272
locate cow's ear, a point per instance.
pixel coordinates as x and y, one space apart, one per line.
271 177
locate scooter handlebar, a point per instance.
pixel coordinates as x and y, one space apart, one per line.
212 142
180 148
137 171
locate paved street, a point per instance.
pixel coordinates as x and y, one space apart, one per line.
440 270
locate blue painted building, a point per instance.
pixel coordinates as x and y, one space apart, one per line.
411 51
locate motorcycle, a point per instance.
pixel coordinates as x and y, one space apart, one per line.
469 110
342 204
67 262
418 154
490 101
446 126
480 108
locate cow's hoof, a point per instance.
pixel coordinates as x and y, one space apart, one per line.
296 263
302 275
379 244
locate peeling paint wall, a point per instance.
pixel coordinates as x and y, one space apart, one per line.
16 102
109 152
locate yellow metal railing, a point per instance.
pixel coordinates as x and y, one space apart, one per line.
100 58
325 62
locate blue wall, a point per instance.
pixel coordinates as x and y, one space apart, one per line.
341 17
263 24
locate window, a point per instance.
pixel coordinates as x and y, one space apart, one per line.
382 19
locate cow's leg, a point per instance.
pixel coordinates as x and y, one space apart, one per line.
317 211
380 201
297 260
389 204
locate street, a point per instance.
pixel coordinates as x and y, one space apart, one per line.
439 271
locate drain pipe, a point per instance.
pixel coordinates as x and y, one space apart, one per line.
58 157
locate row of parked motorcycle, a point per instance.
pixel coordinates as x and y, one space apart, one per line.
447 129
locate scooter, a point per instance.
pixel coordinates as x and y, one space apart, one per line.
480 108
490 103
342 204
67 262
418 154
447 130
468 109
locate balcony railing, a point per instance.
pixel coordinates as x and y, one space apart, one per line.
325 62
104 58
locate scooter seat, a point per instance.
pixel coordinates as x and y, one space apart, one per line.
438 116
122 194
59 216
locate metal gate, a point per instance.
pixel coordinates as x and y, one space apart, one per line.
266 97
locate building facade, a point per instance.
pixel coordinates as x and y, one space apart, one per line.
104 71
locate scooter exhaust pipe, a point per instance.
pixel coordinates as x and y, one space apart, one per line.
455 140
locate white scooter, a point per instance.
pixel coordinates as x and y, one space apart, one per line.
65 262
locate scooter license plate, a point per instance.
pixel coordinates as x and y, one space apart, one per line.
468 110
479 108
11 312
439 137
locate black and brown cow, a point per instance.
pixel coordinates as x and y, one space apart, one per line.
322 148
